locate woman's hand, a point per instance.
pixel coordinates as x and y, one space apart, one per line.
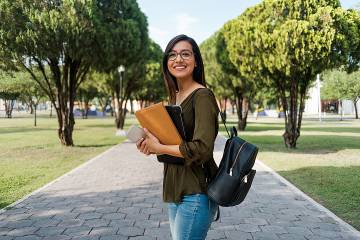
149 145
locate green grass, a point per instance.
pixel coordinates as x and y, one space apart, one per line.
32 156
325 164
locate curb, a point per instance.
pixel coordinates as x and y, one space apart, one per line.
58 179
316 204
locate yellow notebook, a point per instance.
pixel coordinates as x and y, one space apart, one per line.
156 119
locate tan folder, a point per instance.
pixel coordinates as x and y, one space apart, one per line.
156 119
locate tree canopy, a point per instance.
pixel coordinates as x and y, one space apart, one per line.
285 43
63 39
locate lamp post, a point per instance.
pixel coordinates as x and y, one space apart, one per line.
121 70
319 97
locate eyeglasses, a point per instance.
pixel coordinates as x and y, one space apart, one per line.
184 54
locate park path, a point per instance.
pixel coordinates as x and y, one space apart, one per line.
117 195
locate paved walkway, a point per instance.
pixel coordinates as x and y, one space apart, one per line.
117 195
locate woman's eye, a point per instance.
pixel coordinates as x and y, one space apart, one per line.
186 54
172 55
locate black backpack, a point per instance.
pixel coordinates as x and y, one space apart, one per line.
235 174
234 177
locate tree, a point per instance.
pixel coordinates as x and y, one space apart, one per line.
86 93
287 43
338 84
152 87
63 39
215 76
242 86
19 86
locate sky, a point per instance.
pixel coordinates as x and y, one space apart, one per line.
198 19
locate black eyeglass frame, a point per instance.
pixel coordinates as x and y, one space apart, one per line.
181 55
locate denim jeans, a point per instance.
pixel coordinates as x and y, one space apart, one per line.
191 218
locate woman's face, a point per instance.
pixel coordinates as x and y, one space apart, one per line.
181 60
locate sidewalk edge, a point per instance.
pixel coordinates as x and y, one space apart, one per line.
58 179
318 205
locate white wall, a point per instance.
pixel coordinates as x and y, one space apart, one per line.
312 103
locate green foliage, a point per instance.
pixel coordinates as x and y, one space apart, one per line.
285 43
215 76
152 88
63 39
339 84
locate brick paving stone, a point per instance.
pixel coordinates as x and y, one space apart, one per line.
131 231
77 231
103 231
158 233
29 237
19 232
238 235
122 223
97 222
247 228
106 199
214 235
4 231
142 238
46 223
264 236
71 223
50 231
292 236
113 237
147 223
113 216
87 216
18 224
57 237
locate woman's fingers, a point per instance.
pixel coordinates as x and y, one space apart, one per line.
149 134
138 143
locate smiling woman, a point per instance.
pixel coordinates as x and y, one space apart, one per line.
185 186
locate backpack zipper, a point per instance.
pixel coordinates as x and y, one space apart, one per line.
236 158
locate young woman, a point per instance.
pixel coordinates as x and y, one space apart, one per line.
184 187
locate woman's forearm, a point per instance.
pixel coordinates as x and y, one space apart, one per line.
170 150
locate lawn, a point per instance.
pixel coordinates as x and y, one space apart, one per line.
325 165
32 156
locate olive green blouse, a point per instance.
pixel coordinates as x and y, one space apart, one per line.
201 128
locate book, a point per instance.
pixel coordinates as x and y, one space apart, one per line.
157 120
175 113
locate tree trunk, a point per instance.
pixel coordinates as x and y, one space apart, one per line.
35 105
242 116
291 131
51 109
113 108
119 113
131 106
9 106
66 123
86 109
31 106
356 110
65 99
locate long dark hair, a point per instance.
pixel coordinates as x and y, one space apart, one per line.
198 73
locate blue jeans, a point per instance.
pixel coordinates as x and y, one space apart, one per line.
191 218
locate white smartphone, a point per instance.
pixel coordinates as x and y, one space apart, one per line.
135 133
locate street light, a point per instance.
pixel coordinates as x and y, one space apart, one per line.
121 70
319 97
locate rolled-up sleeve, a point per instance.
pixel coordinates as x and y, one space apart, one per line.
200 148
